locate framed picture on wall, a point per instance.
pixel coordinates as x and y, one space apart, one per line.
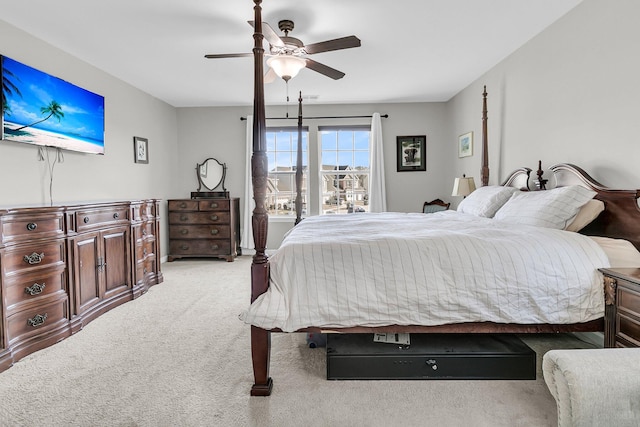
140 149
465 145
412 153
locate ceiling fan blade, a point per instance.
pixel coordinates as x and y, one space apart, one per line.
335 44
324 69
269 34
227 55
270 76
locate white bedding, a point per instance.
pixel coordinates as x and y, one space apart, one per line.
416 269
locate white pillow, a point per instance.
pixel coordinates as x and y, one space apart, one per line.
548 208
485 201
586 215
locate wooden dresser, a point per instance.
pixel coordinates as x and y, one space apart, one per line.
622 307
63 266
204 228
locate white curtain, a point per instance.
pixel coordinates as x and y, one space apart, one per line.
249 203
377 192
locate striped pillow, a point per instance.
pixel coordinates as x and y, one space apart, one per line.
550 208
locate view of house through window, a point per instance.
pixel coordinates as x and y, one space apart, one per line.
344 169
282 149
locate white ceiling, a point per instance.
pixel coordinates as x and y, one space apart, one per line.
412 50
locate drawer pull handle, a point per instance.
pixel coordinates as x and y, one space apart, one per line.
184 231
34 258
183 218
215 231
85 219
144 232
144 252
183 205
214 217
37 320
116 215
34 289
184 247
32 226
214 205
214 247
145 271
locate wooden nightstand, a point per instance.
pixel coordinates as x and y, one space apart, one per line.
622 307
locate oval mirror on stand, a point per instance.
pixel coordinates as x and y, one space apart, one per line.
211 174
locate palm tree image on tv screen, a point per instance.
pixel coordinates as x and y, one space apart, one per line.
40 109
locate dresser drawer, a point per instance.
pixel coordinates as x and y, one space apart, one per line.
200 247
29 227
36 320
83 220
213 205
183 205
26 291
33 257
199 232
199 217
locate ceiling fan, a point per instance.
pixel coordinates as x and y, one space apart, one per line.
287 55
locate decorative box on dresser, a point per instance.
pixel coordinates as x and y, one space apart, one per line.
63 266
204 228
622 307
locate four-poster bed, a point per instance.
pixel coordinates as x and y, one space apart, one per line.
620 219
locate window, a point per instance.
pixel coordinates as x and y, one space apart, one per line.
282 149
344 169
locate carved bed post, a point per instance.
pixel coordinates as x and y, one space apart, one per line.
299 164
260 338
484 171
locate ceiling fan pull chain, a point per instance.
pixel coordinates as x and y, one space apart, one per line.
286 82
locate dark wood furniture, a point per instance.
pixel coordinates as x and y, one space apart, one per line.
61 267
435 206
204 228
620 219
622 299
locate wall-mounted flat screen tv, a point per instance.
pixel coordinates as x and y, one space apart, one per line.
40 109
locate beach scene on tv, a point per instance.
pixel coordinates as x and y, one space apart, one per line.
38 108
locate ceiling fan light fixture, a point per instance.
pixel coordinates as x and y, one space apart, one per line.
286 66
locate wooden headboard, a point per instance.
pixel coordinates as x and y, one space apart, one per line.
621 216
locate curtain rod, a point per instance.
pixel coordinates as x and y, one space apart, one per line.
385 116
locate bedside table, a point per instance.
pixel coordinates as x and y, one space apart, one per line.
622 307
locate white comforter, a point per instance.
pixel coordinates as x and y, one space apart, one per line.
417 269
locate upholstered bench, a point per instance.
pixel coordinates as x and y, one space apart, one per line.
595 387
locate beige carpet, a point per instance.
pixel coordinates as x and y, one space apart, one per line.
179 356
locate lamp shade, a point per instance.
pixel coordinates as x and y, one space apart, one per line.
463 186
286 66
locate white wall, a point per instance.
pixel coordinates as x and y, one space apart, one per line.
219 133
569 95
88 177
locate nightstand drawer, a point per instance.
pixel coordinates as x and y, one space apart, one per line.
628 300
628 329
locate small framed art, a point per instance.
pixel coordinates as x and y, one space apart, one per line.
141 149
412 153
465 145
